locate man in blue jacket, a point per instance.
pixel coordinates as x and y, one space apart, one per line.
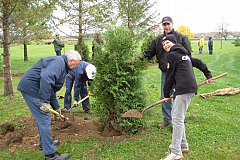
82 74
39 86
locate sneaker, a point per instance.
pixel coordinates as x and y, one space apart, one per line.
57 156
55 143
173 156
163 125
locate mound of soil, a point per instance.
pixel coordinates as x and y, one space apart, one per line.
22 131
132 113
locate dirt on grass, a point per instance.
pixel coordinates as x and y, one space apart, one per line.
22 132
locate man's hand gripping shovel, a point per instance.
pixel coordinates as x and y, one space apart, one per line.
47 108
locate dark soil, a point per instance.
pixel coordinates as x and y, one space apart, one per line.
22 131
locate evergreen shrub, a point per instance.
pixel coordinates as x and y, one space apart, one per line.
117 86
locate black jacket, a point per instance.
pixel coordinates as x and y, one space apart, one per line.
156 49
180 73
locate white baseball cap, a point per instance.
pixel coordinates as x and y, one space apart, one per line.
91 71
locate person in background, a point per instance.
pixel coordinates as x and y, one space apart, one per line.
201 44
83 74
38 87
210 45
97 44
58 45
180 75
156 49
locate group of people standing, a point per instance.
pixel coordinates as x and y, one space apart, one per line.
201 45
177 80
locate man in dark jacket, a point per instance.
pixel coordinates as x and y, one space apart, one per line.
210 45
83 73
180 75
58 45
38 87
156 49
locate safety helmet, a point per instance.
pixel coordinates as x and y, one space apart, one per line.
91 71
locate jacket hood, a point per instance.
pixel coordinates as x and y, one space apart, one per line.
178 48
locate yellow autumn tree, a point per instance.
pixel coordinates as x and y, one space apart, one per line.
185 30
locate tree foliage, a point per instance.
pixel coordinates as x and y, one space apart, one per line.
117 87
16 17
185 30
84 16
139 16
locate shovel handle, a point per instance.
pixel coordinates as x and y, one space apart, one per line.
200 84
154 104
213 78
83 99
55 112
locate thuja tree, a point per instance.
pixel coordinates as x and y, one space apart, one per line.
117 87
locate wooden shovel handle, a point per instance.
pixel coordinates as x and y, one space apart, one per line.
162 100
154 104
213 78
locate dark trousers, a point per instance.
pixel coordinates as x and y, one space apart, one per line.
82 91
58 53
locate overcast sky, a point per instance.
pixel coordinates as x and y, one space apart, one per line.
202 15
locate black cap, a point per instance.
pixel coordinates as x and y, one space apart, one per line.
170 37
167 19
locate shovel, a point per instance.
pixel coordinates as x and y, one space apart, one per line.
133 113
79 102
56 113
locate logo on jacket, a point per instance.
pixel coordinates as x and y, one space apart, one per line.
185 58
168 65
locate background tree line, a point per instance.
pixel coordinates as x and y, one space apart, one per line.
26 20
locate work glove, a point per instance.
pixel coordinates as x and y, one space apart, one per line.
45 107
75 104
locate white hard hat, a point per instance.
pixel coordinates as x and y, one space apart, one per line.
91 71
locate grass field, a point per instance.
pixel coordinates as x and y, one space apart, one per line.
212 125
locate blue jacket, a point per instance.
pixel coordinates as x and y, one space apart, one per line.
79 75
45 78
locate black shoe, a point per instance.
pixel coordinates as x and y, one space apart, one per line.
55 143
88 111
57 156
163 125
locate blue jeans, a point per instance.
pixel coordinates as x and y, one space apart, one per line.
166 106
43 121
82 91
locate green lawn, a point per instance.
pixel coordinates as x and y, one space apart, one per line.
212 125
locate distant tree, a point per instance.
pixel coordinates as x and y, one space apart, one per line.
35 24
139 16
84 16
185 30
223 31
14 18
